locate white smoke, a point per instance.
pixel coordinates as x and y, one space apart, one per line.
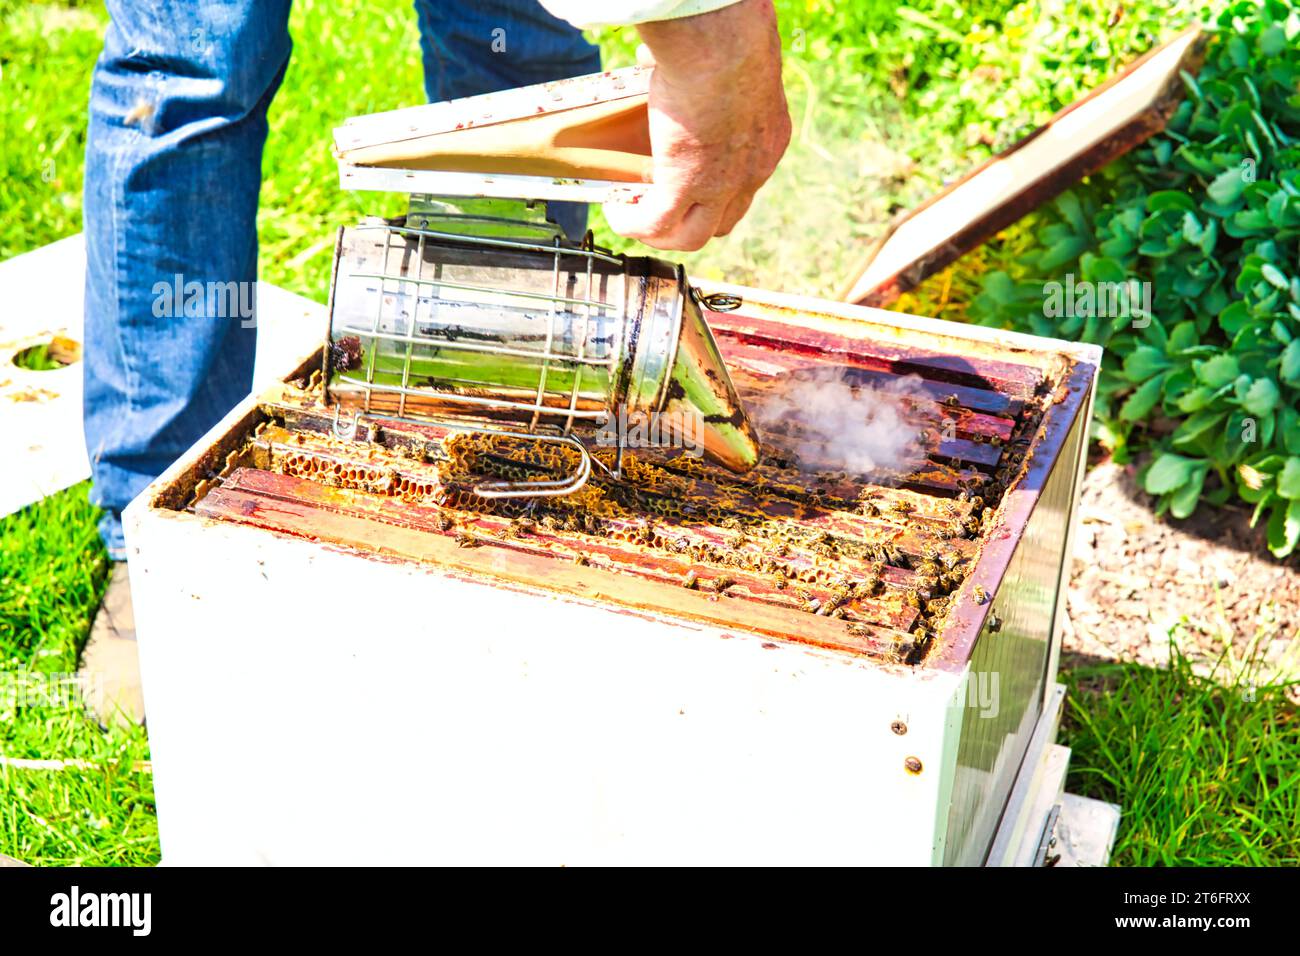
832 424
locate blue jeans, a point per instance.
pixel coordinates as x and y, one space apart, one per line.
173 165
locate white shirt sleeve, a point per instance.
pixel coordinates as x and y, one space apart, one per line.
585 14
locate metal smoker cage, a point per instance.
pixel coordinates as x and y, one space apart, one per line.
398 324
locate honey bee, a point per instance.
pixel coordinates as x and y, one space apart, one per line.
581 560
902 507
517 527
830 604
981 595
691 581
466 540
721 584
874 582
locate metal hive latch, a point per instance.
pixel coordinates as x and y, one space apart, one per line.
479 321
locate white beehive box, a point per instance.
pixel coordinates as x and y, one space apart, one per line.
378 700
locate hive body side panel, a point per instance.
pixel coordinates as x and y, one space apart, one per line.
382 712
1078 450
1010 665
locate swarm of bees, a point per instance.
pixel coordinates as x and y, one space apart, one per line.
831 544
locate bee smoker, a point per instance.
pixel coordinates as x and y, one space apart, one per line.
480 315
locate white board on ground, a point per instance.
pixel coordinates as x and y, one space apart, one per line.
42 443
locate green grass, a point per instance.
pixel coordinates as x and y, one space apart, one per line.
1204 765
52 574
37 359
885 108
888 101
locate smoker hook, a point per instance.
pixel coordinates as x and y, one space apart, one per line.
617 471
717 301
540 489
347 432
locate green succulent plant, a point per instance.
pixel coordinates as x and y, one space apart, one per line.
1203 370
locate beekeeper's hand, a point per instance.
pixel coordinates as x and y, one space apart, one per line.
718 124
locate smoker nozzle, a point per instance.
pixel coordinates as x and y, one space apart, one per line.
699 384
